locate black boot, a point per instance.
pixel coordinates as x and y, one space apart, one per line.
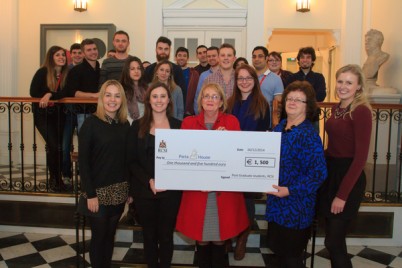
218 256
56 183
204 256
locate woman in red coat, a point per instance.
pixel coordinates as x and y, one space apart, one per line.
212 217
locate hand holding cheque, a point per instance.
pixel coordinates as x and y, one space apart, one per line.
216 160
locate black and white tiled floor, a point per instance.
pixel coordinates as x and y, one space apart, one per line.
33 176
30 174
20 250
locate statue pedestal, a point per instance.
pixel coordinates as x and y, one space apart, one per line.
387 132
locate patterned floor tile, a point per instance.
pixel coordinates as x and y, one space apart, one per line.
183 257
119 253
251 259
377 256
396 263
59 253
9 241
49 243
43 251
17 251
67 263
32 237
26 261
359 262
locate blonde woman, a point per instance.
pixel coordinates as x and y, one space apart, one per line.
212 217
349 133
103 170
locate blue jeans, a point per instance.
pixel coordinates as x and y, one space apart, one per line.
80 120
69 126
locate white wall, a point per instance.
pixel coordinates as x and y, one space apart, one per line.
127 15
130 15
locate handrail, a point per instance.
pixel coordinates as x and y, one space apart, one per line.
74 100
35 100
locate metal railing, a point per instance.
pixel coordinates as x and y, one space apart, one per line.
23 151
23 165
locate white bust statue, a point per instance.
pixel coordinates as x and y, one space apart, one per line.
375 58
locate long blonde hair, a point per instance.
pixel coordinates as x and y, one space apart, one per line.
121 114
360 97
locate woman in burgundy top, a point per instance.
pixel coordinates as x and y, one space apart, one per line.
349 131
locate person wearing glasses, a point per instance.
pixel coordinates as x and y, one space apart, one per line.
275 66
211 217
291 208
252 110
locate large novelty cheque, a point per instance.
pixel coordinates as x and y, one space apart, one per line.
241 161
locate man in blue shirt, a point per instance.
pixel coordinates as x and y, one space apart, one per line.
270 83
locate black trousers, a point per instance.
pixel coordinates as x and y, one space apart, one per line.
102 240
335 242
50 124
158 219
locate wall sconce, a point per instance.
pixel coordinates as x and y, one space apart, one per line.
303 5
80 5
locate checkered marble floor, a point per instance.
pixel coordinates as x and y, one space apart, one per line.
30 173
19 250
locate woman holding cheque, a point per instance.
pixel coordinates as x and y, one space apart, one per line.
157 209
210 218
290 210
250 107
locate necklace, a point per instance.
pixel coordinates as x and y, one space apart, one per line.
340 112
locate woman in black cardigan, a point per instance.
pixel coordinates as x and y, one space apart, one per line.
103 170
157 209
48 84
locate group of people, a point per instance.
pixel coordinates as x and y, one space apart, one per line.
117 161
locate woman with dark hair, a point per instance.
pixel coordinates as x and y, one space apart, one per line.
157 209
103 170
164 73
349 133
290 209
252 110
48 84
239 61
212 217
275 66
134 84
